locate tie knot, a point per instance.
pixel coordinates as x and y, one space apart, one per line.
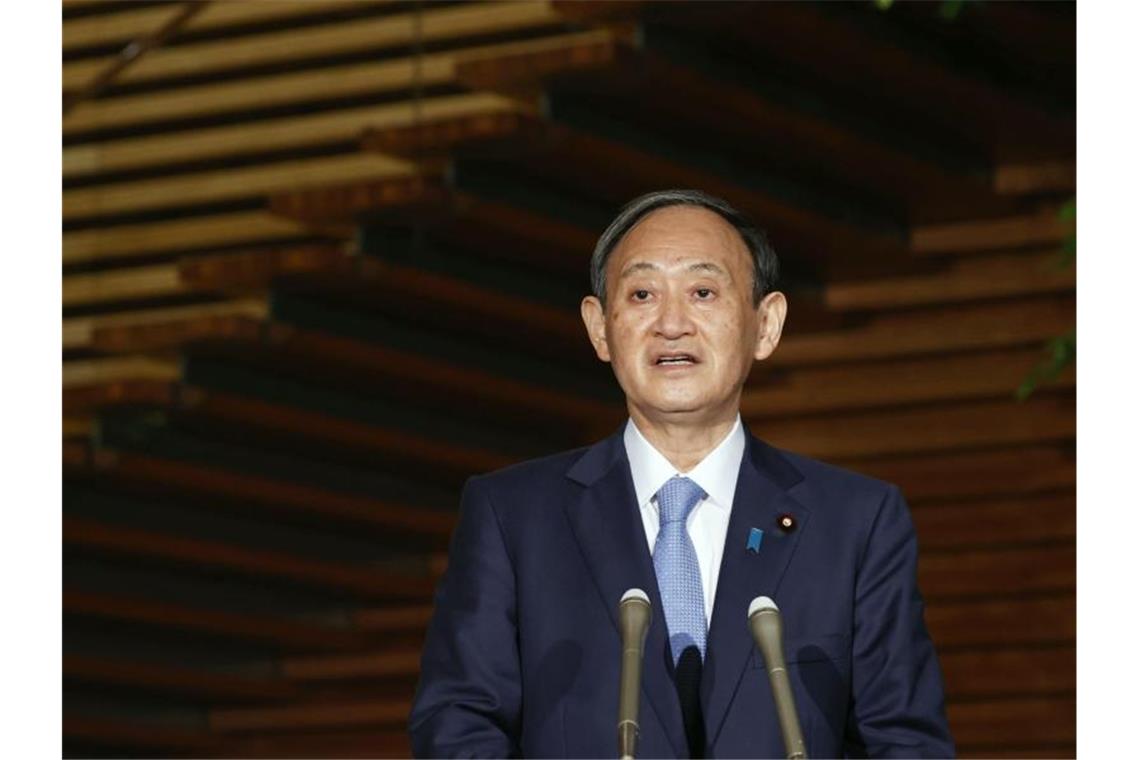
677 498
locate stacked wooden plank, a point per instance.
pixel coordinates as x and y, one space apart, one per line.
321 263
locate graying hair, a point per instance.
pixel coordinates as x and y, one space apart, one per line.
765 265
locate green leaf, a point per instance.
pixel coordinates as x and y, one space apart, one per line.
1068 252
1062 352
1068 213
950 9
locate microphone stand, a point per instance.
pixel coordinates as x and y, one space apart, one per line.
767 630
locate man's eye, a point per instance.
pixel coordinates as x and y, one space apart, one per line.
640 295
704 293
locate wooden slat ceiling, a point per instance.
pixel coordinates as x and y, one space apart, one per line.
321 263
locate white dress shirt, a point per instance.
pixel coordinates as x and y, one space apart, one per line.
716 474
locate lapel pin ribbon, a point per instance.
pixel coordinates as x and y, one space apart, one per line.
755 536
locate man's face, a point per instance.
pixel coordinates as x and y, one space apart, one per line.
679 326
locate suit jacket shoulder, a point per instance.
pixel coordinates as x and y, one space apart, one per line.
831 492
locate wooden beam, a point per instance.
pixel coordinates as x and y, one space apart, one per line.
948 427
990 572
391 712
460 218
447 133
173 336
436 25
987 724
372 583
126 242
201 621
356 80
963 280
330 269
137 283
1034 620
342 204
385 663
96 371
594 13
129 57
1029 519
363 743
284 423
1027 469
290 133
871 63
216 274
394 445
226 184
129 23
151 740
929 330
1029 179
252 270
508 70
169 107
892 383
562 243
87 399
324 355
1045 750
147 739
1009 672
575 158
1042 228
76 426
151 473
78 332
705 97
390 620
163 678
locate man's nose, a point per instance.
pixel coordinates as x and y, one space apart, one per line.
673 317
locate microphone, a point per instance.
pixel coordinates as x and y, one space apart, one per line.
634 613
764 621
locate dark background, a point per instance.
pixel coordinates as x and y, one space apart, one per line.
321 262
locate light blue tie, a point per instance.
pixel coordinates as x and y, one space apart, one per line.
678 574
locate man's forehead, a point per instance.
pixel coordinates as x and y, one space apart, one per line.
636 266
672 226
689 237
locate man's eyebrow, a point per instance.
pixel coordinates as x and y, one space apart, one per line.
706 266
639 266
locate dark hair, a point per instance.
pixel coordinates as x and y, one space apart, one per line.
765 266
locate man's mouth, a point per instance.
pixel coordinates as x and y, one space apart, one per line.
672 360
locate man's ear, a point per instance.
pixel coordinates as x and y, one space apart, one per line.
770 314
594 317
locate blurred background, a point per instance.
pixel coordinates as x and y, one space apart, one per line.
322 261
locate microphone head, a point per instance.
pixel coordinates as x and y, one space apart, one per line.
761 604
634 593
634 613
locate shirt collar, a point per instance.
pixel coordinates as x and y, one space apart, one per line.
716 473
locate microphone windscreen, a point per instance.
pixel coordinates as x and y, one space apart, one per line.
760 604
634 593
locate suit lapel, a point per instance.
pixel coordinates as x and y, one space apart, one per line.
608 528
761 498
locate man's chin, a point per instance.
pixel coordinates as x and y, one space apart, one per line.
678 408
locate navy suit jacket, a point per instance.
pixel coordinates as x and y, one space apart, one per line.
523 653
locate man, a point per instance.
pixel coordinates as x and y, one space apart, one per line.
522 655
